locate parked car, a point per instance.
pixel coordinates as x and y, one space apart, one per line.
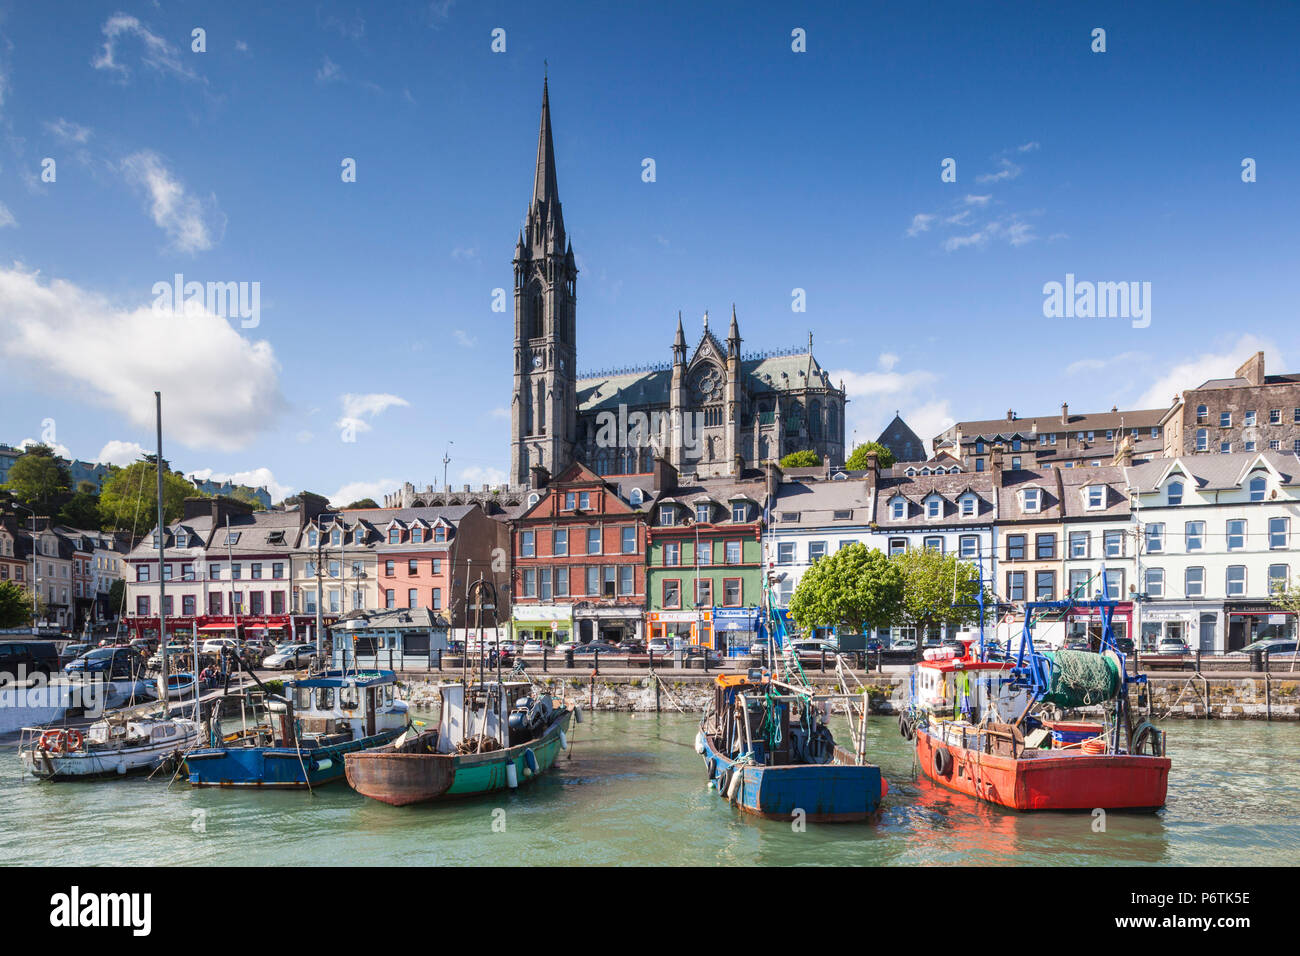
121 663
534 649
812 649
290 657
903 644
1268 645
590 648
215 644
1125 644
632 647
27 658
1172 646
932 641
694 652
155 659
660 645
72 651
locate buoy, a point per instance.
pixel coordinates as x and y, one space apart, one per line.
737 778
530 761
577 714
564 741
699 743
884 788
121 769
512 776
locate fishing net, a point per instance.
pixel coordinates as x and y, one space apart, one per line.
1081 678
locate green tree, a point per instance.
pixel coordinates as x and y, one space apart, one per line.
858 460
116 595
129 498
929 596
248 498
801 459
39 480
364 503
15 605
82 511
856 585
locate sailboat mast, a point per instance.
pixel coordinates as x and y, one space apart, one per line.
162 541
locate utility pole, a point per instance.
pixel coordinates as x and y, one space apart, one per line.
162 541
446 460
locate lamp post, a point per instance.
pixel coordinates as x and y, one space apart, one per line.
35 593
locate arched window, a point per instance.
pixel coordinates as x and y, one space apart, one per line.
1175 492
1258 485
541 408
815 421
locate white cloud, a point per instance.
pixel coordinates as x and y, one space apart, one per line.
500 413
219 389
329 72
253 478
357 408
1191 372
190 226
156 52
921 222
6 217
121 453
68 131
874 398
356 490
1028 147
463 338
241 46
465 253
58 449
887 361
477 475
1006 170
978 200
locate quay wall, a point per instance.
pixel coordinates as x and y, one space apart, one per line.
1185 696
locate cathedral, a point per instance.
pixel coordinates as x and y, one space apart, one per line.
710 411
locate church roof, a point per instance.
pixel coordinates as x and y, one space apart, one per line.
902 441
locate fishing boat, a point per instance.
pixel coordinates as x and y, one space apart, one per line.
769 750
319 720
180 685
123 742
987 728
490 737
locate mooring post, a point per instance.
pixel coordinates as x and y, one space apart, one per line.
546 653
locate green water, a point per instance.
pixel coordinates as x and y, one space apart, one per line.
633 792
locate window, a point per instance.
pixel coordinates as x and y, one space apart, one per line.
704 592
1045 586
528 544
435 566
968 546
358 536
1015 444
545 585
1194 582
1225 419
257 602
277 601
394 535
593 581
968 506
1078 581
561 582
979 445
1155 538
1015 547
672 554
1115 584
703 513
560 542
570 500
142 605
1032 498
440 533
898 509
417 535
667 514
334 569
1202 440
1236 580
312 538
1016 585
732 592
308 569
1045 547
1096 497
897 545
530 582
934 508
277 570
1277 532
1258 485
1114 544
584 500
1155 583
1274 445
785 552
1275 416
1202 415
187 571
733 552
1015 463
816 551
979 464
1078 544
1225 447
1250 419
1277 577
933 542
672 593
629 540
845 542
1236 534
740 512
390 568
626 579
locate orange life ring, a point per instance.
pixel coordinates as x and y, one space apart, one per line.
74 740
50 739
1093 745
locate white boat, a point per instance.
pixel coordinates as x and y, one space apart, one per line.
120 743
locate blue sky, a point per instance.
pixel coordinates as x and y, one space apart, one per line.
775 170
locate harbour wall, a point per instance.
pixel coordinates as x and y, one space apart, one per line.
1186 696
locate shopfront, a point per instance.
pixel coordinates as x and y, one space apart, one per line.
1086 623
1196 624
549 623
690 627
1250 622
736 628
612 625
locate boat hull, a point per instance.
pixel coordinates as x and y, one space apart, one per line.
97 764
402 779
275 767
1071 781
826 793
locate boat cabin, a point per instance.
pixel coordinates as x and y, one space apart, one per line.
492 710
965 688
346 705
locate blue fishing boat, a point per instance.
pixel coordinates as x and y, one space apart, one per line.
768 749
320 720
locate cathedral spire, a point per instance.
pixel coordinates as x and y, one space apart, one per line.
679 343
545 189
733 334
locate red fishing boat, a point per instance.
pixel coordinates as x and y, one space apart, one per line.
980 728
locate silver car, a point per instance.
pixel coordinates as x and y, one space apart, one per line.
290 657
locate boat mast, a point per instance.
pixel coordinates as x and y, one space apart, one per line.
162 588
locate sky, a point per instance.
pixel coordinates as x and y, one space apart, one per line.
374 350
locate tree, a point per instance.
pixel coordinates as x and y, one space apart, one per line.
81 511
856 585
15 605
129 499
248 498
928 592
858 460
801 459
39 480
116 595
364 503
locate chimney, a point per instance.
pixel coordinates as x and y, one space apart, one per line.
773 477
1065 413
995 463
1252 370
539 477
873 472
1124 453
664 475
1011 415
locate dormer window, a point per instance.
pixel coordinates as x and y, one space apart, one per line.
533 498
968 503
1258 486
703 513
440 534
934 507
312 538
1096 497
336 537
1032 499
182 539
668 514
417 535
739 512
1174 493
636 497
358 536
394 535
898 508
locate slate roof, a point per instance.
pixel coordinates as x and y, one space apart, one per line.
1214 471
920 487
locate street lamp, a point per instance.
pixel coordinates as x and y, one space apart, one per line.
35 567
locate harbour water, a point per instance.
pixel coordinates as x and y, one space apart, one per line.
632 791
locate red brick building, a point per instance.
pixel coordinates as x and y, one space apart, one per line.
579 557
